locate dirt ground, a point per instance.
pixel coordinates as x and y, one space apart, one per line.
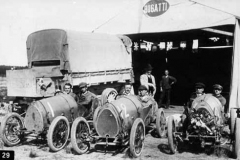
154 149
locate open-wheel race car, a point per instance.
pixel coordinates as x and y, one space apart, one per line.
121 122
201 125
48 118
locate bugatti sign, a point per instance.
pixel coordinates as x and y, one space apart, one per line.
155 7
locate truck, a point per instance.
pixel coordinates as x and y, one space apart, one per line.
57 56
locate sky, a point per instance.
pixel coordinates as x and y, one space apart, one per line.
19 18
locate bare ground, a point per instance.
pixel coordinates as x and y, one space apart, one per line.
154 149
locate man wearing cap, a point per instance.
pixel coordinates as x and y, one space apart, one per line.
165 87
186 118
217 90
143 93
148 80
199 88
85 98
147 101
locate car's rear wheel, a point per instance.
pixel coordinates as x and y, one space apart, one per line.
171 129
108 95
161 123
10 130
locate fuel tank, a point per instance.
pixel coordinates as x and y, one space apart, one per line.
41 113
118 115
211 103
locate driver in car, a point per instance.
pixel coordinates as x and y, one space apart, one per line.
85 100
199 90
217 90
147 100
68 90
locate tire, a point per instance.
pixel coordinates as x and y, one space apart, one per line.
106 93
233 116
95 114
161 123
58 133
78 134
137 137
237 139
172 143
11 125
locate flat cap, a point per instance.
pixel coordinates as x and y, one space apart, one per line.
217 86
142 87
82 84
199 85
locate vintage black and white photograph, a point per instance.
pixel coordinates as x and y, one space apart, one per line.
119 79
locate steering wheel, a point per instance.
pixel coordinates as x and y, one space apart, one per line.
58 92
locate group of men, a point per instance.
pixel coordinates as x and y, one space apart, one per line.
148 80
217 90
83 98
146 90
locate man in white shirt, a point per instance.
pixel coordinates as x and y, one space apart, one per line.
148 80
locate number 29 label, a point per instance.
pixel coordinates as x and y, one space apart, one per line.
6 155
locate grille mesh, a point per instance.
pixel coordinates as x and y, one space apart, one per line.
107 124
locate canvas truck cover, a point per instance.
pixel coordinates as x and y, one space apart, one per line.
57 56
78 51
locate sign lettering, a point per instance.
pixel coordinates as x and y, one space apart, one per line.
155 7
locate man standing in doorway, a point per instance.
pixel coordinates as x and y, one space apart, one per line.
165 88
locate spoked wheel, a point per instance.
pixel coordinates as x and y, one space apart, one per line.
108 95
161 123
79 134
137 137
171 129
10 130
58 133
237 139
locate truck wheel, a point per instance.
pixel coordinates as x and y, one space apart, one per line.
161 123
79 134
171 129
237 139
58 133
137 137
108 95
10 130
233 116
